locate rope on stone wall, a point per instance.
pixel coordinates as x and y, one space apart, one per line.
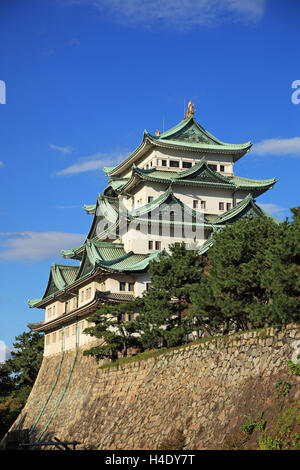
54 383
66 386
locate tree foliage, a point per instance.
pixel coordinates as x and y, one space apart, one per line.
111 326
249 278
17 376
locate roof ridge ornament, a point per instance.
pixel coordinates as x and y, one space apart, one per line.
190 110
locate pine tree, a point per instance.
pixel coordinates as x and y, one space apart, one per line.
115 331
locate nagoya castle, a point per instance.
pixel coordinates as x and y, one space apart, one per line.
176 186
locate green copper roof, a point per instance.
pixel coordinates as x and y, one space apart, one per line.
90 208
61 276
198 175
245 208
108 257
188 134
33 302
241 182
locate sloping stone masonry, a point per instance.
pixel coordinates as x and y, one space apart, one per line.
196 389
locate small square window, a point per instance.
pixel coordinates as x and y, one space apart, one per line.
195 204
228 206
122 286
222 168
164 163
186 164
174 163
150 199
221 206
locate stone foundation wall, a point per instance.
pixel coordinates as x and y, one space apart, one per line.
205 390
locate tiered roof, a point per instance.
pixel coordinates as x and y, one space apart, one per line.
98 257
187 135
200 175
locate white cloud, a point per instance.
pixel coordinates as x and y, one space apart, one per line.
278 146
5 352
62 150
274 209
92 163
37 246
179 12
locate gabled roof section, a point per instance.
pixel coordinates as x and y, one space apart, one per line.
98 257
198 175
189 135
189 132
245 208
60 277
105 214
167 198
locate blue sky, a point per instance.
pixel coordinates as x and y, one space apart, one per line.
84 78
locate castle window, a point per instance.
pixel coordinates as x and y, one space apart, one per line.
74 330
47 339
186 164
221 206
148 286
228 206
122 286
131 286
82 296
203 204
164 163
88 293
174 163
150 245
157 245
150 199
130 316
195 204
222 168
212 167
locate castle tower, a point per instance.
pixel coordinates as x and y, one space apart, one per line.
176 186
